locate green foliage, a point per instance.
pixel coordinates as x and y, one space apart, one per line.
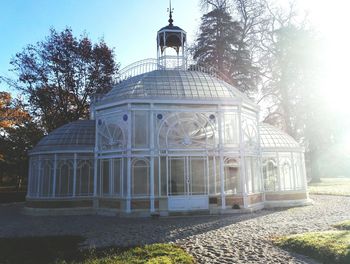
149 254
328 246
65 249
18 134
61 73
332 186
220 46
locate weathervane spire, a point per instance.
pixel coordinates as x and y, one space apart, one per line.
170 10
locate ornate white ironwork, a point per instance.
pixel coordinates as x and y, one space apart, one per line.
166 62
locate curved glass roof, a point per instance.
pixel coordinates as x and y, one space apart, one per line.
272 137
173 84
78 135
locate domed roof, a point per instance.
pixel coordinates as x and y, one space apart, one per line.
273 138
78 135
173 84
171 27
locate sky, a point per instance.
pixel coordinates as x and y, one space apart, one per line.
129 27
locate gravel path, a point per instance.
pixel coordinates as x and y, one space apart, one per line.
211 239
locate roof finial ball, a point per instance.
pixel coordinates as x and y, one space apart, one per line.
170 10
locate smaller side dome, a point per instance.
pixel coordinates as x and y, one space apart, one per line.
75 136
273 138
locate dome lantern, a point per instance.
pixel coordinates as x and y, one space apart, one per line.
173 37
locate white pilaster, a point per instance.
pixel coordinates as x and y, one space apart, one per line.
54 176
74 173
151 143
39 178
242 160
128 195
221 157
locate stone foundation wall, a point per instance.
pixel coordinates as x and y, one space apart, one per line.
58 203
255 198
286 196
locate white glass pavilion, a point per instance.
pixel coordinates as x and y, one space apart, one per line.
167 138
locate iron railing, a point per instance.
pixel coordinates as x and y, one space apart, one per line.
166 63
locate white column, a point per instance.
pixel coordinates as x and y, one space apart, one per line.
74 173
242 160
279 172
96 172
121 179
221 157
151 143
128 196
110 176
54 176
164 55
214 171
207 173
39 177
260 167
293 170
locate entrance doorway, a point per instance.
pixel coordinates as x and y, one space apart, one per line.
187 183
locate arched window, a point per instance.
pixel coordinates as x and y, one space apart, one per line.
249 130
286 173
64 178
85 178
34 177
270 174
232 176
140 177
46 178
186 130
110 136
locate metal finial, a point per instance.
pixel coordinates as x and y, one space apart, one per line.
170 10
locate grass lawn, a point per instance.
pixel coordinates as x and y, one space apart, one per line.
328 246
334 186
65 249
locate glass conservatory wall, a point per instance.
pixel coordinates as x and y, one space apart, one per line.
64 177
249 130
33 176
252 175
198 175
47 176
214 175
283 171
185 130
117 177
61 175
232 181
230 131
111 135
85 178
140 137
140 182
270 173
111 177
105 171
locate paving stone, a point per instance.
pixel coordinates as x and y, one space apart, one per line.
211 239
